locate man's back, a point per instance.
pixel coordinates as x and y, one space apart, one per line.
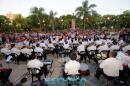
72 67
111 66
35 63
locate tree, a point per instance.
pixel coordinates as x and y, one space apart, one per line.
38 12
85 11
4 23
124 19
19 23
52 19
65 21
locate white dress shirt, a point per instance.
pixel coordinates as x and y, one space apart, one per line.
50 45
26 51
111 67
123 58
92 47
66 46
35 63
72 67
15 50
104 47
98 42
115 47
38 49
126 48
80 48
6 51
43 45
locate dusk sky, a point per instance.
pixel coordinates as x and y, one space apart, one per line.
62 7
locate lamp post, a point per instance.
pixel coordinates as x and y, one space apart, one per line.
62 23
43 24
108 19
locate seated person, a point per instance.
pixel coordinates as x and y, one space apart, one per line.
110 67
4 74
84 70
35 63
81 51
126 47
72 66
38 49
115 46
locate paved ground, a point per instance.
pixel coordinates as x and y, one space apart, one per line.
21 69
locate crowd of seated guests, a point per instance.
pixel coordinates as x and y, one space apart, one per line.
90 46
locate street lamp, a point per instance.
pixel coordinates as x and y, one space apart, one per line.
43 24
62 22
108 18
43 21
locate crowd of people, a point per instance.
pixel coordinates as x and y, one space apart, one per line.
79 46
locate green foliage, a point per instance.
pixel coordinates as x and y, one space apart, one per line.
85 16
84 12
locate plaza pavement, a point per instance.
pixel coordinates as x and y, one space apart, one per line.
21 69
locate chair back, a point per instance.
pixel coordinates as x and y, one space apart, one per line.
92 52
82 52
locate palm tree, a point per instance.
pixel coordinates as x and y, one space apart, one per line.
39 12
52 19
85 11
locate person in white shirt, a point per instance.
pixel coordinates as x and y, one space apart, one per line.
35 63
66 48
26 42
115 46
81 47
51 45
121 42
123 58
43 45
54 41
91 46
126 48
72 66
14 50
26 50
75 41
110 67
103 47
66 45
38 49
5 50
81 51
98 41
84 42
